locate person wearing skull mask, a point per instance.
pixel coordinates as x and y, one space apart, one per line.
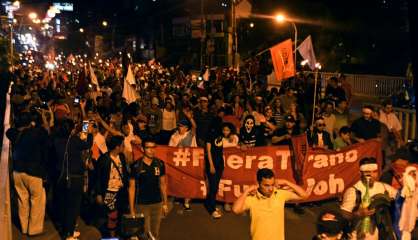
251 135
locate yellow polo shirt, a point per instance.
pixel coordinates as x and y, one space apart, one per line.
267 214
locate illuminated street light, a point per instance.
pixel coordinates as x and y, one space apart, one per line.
36 21
104 23
280 18
33 15
304 62
81 30
251 25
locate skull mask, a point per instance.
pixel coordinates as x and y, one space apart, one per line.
249 124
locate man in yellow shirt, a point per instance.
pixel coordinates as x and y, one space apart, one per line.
266 204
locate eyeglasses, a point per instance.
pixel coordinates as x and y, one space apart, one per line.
150 146
321 125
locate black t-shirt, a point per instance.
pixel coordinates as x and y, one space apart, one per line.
366 129
147 181
283 131
217 152
254 138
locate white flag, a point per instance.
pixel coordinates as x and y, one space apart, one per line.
93 77
129 92
243 9
306 50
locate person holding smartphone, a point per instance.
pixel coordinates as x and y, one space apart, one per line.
77 138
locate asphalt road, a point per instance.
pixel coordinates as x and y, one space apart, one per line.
199 225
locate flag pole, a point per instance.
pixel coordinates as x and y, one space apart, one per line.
315 93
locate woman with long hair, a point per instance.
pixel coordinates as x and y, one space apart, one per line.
215 165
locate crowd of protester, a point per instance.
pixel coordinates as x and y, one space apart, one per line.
73 138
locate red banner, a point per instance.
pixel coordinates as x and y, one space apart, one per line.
326 174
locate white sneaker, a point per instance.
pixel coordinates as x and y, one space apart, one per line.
227 207
217 214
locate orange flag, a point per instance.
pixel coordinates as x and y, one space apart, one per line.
282 56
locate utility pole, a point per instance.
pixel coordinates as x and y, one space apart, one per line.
413 24
11 46
202 32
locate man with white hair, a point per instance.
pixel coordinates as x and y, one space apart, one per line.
409 212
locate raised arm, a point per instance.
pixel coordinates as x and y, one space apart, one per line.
131 195
239 204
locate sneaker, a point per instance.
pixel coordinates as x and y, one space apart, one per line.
186 207
227 207
216 214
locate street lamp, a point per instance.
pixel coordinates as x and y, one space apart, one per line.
81 30
104 23
280 18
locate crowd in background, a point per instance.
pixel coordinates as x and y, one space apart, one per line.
67 124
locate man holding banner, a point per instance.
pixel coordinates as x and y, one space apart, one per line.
265 202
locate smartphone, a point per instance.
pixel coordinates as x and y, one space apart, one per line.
76 100
85 126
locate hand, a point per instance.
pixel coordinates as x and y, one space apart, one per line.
252 189
360 140
99 199
364 212
97 118
287 136
212 169
188 114
281 182
83 103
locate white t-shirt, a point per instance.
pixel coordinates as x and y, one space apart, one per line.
349 199
176 138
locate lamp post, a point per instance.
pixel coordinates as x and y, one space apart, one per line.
281 18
